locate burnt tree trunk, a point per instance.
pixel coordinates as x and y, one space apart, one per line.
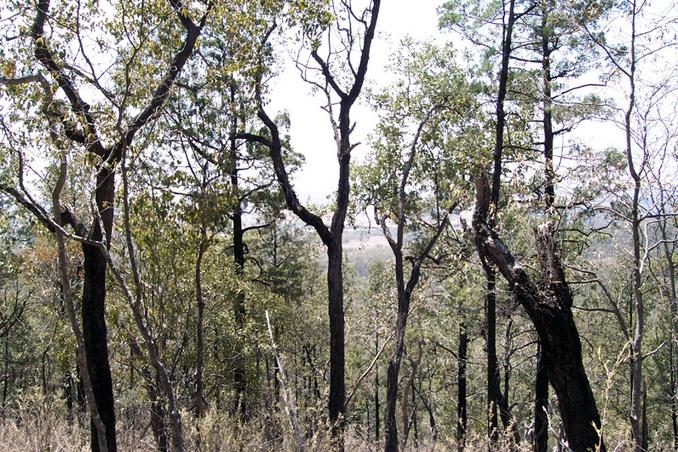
491 350
94 311
541 379
331 236
462 418
550 309
239 260
335 287
541 389
390 427
493 391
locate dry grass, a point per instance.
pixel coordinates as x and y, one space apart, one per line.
38 424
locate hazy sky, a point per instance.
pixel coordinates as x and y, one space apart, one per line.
310 128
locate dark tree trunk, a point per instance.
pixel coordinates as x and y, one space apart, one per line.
491 349
70 394
239 378
550 310
405 291
94 311
461 387
541 385
561 348
80 392
390 427
541 379
332 236
335 289
157 414
493 391
504 403
96 345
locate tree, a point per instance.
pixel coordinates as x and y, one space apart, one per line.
551 313
642 43
412 177
82 127
346 17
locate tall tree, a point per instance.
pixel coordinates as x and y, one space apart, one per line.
504 17
346 18
639 43
433 94
81 127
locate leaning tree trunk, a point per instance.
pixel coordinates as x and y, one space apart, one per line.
550 309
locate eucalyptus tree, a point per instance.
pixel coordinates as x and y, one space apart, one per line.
417 170
474 20
563 54
640 47
50 67
233 179
336 38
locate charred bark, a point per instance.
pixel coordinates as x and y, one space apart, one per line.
493 390
541 389
239 260
550 310
331 236
94 327
462 417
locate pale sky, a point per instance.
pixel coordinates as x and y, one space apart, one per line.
310 132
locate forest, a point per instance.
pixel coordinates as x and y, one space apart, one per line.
490 264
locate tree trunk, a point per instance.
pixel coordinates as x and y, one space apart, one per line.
94 313
336 314
491 349
376 389
461 387
200 333
493 392
239 259
541 380
390 427
541 385
157 414
551 313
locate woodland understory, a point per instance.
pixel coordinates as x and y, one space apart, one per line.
494 268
